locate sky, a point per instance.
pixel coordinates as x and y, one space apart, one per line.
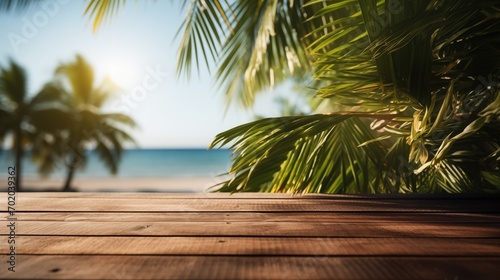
137 49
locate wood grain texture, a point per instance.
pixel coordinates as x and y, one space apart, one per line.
208 195
253 236
230 267
104 204
254 246
275 217
476 230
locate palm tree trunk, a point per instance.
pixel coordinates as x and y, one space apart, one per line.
71 173
18 144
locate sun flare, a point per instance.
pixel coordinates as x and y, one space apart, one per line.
122 73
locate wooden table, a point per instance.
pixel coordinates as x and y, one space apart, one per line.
251 236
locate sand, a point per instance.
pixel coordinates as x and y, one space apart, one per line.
181 185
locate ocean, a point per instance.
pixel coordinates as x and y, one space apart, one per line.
141 163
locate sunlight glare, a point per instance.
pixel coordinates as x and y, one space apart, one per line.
122 73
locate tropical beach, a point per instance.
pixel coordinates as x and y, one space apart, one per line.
250 139
141 170
150 184
307 97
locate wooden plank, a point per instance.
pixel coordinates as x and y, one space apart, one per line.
257 236
238 205
230 267
277 217
211 195
458 230
116 245
159 195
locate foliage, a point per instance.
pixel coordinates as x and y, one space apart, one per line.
404 79
19 5
90 127
409 69
23 117
61 121
103 10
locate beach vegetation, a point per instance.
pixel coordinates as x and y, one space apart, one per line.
407 92
26 118
92 128
62 122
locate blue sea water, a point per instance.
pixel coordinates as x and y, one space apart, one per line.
142 163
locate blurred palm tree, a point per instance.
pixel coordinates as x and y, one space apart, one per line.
409 91
25 118
62 120
91 127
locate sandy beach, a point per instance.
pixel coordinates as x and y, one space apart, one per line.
171 185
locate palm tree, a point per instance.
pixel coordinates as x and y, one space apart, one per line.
414 71
105 132
26 118
402 82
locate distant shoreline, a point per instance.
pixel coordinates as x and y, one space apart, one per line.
170 185
8 150
171 166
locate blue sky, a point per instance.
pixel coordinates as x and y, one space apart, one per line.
138 50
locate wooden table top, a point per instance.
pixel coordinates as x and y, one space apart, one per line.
249 236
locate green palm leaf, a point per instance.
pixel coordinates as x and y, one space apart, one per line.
317 153
101 11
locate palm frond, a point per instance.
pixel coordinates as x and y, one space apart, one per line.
120 119
257 44
205 24
17 5
317 153
101 11
13 83
80 76
109 145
